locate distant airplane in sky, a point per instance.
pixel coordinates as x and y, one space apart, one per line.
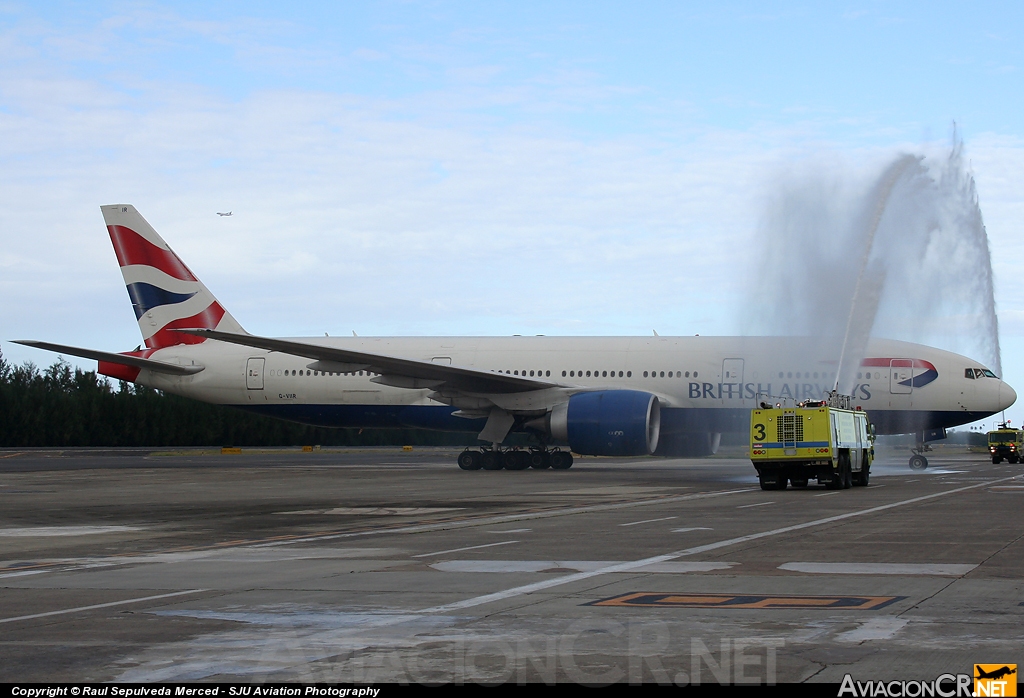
223 214
611 396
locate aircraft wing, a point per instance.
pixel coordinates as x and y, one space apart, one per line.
394 370
110 357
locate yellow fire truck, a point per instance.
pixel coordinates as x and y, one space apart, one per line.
1006 443
825 440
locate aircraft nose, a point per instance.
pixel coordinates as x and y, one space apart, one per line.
1007 395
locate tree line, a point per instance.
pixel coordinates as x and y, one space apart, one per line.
64 407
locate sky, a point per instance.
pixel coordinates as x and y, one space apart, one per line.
463 168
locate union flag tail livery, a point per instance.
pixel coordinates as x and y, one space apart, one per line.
165 294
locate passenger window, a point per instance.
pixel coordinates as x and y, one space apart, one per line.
572 374
531 373
604 374
588 374
662 374
629 374
645 374
620 374
670 374
563 374
548 373
694 374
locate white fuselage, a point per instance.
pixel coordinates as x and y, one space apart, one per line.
704 383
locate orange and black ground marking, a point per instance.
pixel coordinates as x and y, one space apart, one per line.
758 601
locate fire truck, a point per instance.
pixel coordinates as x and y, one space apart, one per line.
824 440
1005 442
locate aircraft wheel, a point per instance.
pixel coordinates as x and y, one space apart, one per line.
516 460
469 460
560 460
918 462
489 460
539 460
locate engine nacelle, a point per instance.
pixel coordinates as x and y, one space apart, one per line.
608 423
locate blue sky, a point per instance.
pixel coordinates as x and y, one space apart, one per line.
472 168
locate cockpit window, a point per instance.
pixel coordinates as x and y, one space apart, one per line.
969 373
978 373
989 374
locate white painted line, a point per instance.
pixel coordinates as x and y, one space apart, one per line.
514 530
100 605
50 531
901 568
635 564
505 518
692 528
472 547
637 523
759 504
23 574
826 494
503 566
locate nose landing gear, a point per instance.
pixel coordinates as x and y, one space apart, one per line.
918 461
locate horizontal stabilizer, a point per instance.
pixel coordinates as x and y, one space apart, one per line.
111 357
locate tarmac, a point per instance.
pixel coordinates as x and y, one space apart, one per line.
384 566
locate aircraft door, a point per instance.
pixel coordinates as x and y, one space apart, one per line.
254 374
732 380
901 376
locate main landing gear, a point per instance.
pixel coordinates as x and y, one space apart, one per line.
515 459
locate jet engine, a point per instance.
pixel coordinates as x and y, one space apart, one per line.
606 423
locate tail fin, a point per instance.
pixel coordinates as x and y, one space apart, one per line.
166 295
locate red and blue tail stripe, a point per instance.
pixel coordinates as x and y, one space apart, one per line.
923 373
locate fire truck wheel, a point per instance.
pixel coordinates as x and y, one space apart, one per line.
767 483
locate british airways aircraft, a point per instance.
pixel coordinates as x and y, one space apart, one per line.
614 396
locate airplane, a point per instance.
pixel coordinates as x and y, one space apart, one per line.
223 214
995 674
611 396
